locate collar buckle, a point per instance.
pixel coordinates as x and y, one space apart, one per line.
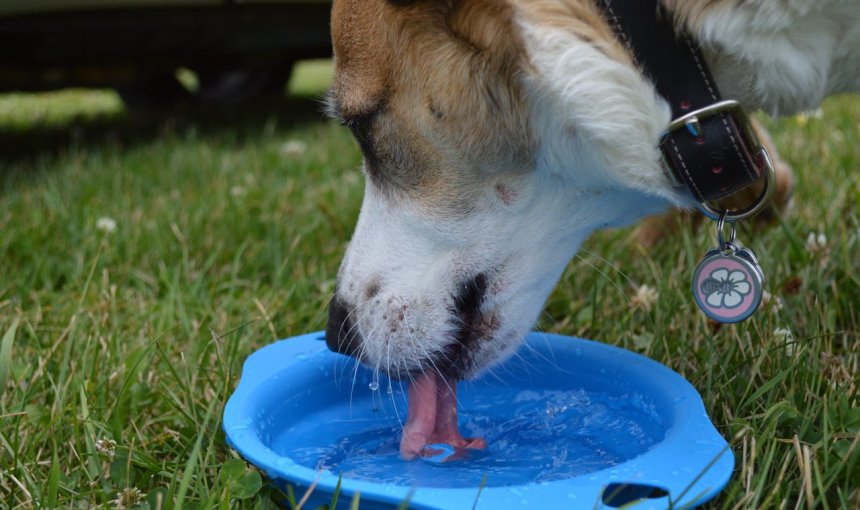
752 146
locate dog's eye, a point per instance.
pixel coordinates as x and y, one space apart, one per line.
355 120
360 123
360 126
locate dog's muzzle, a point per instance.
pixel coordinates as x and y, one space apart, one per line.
467 326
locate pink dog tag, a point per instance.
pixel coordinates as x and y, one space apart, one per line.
728 284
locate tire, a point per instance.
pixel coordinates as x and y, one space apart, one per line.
217 88
161 92
242 86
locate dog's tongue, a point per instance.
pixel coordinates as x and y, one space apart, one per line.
432 416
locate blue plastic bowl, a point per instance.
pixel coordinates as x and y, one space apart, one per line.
570 423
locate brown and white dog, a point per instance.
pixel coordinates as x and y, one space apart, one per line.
497 135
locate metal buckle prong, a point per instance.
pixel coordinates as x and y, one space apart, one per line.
694 127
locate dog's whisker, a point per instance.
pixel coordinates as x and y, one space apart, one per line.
615 284
359 347
353 324
356 365
394 401
492 372
551 361
605 261
517 354
360 354
393 369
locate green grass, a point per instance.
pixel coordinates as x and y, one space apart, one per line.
226 240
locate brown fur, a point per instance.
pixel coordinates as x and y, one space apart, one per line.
424 140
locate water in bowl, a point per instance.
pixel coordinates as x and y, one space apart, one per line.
534 435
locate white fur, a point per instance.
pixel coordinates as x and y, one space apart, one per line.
581 100
783 56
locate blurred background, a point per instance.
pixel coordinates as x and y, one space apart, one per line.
161 53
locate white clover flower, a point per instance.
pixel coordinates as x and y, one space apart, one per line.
645 298
816 242
785 337
834 370
803 118
106 447
237 191
783 334
129 497
775 302
817 246
106 224
294 148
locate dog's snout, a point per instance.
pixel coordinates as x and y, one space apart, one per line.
341 334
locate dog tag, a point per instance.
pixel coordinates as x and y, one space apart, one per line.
728 283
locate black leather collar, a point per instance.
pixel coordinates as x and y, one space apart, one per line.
710 146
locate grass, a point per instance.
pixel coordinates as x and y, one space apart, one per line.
119 347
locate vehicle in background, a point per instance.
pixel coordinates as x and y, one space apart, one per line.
238 50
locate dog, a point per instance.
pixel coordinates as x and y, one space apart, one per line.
497 135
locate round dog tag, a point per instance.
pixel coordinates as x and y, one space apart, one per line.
728 284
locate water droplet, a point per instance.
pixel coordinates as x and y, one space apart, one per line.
389 390
373 386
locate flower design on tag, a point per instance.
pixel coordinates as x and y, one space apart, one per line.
725 289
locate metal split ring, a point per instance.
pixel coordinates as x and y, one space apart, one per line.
725 246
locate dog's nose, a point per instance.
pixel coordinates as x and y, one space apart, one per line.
340 332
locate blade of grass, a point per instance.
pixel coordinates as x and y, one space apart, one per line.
53 480
309 491
480 489
764 388
6 354
336 495
356 498
404 505
191 463
94 471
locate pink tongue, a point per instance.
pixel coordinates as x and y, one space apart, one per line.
432 416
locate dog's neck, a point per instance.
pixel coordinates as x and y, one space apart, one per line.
780 56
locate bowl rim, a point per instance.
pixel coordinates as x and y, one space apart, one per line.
689 425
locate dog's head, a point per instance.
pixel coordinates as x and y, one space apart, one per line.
483 172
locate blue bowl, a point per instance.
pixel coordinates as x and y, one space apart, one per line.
570 423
